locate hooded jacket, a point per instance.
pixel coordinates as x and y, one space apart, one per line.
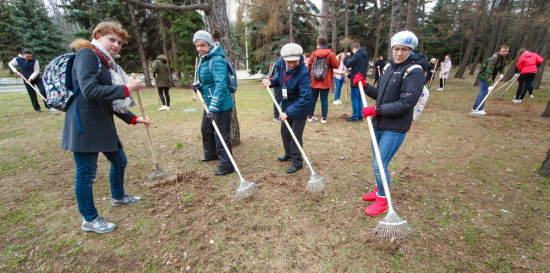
332 62
298 85
528 61
213 85
357 63
396 97
160 67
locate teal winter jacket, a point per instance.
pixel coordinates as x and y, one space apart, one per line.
213 85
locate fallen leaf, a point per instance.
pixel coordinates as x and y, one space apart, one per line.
211 242
459 253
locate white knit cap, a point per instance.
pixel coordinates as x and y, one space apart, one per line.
292 52
203 36
404 38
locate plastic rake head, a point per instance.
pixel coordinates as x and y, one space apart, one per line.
393 227
246 189
315 183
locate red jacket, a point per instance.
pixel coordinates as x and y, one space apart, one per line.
332 62
528 61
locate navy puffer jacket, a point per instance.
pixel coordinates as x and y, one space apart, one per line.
298 85
396 97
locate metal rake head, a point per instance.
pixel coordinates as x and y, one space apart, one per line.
316 183
246 189
150 181
393 227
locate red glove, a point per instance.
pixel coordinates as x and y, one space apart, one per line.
369 111
359 78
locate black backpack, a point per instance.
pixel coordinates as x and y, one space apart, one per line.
319 68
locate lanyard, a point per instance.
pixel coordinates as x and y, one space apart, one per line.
285 79
104 62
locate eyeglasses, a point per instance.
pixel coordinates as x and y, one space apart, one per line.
403 50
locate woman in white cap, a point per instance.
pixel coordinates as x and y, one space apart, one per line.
213 86
396 96
293 77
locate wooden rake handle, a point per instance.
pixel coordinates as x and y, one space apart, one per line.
146 127
37 92
376 150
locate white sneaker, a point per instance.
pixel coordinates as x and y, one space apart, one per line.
339 102
440 89
162 108
531 96
335 102
515 101
324 121
481 112
98 225
311 118
54 111
167 108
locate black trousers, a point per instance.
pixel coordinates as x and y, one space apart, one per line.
278 94
524 81
32 93
288 142
213 148
164 91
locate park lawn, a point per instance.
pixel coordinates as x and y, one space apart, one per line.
469 185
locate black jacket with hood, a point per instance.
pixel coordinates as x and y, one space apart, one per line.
396 97
357 63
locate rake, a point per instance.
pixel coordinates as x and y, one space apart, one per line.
484 99
347 91
150 181
195 79
392 227
316 182
33 87
246 189
511 83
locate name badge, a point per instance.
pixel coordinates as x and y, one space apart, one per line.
285 93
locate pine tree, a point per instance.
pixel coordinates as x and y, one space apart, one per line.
36 30
8 40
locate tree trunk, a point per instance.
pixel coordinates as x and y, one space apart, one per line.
504 23
163 31
291 32
544 53
422 36
377 42
410 15
480 50
395 24
545 167
471 42
217 24
175 55
346 26
325 9
140 46
492 44
334 26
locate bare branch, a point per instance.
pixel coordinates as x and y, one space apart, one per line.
281 11
207 7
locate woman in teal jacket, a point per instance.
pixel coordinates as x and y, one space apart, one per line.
213 86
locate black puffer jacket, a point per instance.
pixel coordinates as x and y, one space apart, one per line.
357 63
395 96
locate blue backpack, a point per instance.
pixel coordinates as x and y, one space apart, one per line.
231 74
58 81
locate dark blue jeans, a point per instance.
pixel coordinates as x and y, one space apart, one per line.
357 103
483 90
86 168
339 84
388 144
324 101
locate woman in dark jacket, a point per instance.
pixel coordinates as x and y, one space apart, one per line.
393 113
161 76
218 99
89 127
293 77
